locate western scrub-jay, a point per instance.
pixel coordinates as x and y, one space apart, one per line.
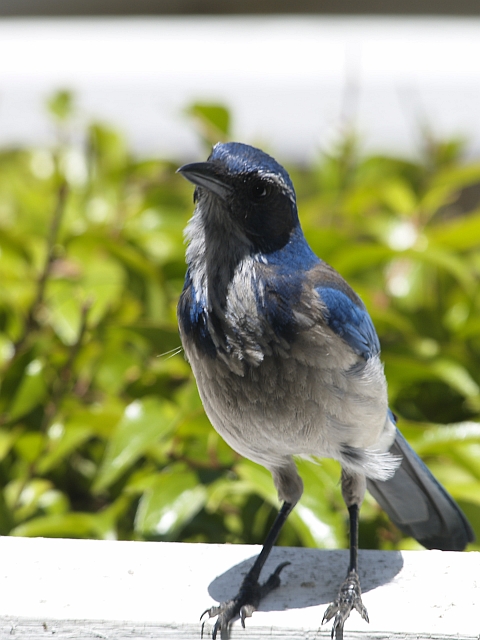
286 360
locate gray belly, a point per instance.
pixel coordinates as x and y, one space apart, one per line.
307 402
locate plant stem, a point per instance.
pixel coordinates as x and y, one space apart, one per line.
31 322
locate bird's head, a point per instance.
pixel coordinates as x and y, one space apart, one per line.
242 186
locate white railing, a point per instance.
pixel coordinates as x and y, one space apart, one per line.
80 589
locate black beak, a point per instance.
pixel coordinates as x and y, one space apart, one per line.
208 176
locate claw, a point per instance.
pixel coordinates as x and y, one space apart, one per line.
246 612
349 597
205 612
203 623
215 630
244 603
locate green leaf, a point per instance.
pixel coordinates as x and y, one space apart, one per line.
317 522
31 391
456 376
447 261
63 441
143 423
259 479
8 437
408 370
467 492
6 345
7 521
399 196
108 144
213 121
111 374
435 198
61 104
100 283
100 418
24 498
458 176
173 500
350 259
68 525
30 445
462 233
65 311
438 439
312 518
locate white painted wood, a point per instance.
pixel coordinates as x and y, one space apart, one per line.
119 590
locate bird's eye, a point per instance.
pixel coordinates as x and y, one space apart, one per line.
260 190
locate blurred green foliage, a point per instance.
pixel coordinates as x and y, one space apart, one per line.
102 433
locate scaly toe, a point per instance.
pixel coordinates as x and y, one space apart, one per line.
349 597
243 605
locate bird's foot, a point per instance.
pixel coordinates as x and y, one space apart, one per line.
244 604
349 597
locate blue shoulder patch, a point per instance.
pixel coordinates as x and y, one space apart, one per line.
193 319
350 321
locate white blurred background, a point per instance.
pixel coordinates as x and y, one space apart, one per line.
292 82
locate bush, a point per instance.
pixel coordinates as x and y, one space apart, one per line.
102 433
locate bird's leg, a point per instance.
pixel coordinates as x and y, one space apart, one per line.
251 591
350 595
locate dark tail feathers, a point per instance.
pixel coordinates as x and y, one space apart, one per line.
418 505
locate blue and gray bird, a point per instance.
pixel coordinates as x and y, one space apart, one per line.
287 363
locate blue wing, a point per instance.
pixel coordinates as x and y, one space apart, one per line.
347 317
